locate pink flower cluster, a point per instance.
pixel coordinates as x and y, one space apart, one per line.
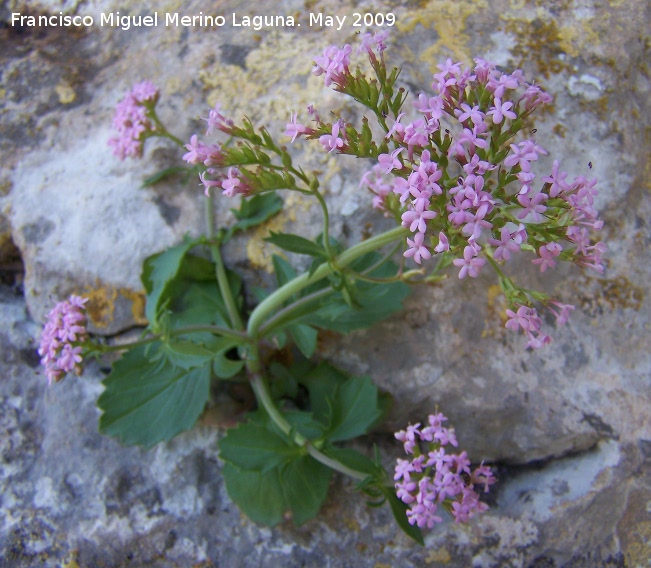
132 122
64 330
461 184
437 478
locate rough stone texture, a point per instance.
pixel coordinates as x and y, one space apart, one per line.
569 426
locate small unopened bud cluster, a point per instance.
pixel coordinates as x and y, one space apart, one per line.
62 335
436 478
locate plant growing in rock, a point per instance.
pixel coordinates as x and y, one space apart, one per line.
455 171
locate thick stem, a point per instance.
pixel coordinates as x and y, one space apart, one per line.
275 301
261 390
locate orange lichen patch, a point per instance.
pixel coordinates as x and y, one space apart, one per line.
496 311
101 304
138 301
560 130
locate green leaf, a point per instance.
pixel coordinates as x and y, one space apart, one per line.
283 270
305 338
259 495
399 510
294 243
186 354
354 410
354 460
371 302
305 487
268 476
158 273
347 406
225 367
297 488
146 402
167 172
256 210
253 447
322 383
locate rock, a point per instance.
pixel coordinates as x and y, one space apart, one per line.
71 496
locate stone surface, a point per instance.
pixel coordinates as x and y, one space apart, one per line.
69 495
568 426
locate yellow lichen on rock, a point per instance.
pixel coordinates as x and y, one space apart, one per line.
448 18
256 91
65 93
258 251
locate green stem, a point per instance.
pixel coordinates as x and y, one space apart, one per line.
220 270
326 224
275 301
161 130
287 313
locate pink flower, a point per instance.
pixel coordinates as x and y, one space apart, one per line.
435 477
563 312
64 330
501 111
132 122
547 254
233 185
444 245
390 162
196 151
217 121
416 219
470 264
294 128
505 245
417 249
332 141
333 64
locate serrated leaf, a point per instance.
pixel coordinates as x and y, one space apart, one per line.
347 406
253 447
223 366
158 273
256 210
322 383
369 302
147 402
268 476
354 410
305 487
258 495
297 244
297 488
305 338
186 354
